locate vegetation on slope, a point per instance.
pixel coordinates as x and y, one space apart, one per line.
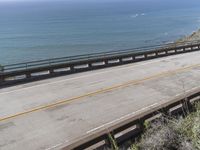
172 134
195 36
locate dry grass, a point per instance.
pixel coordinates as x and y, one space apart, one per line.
168 134
181 134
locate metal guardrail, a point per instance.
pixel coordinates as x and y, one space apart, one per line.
53 61
23 71
119 131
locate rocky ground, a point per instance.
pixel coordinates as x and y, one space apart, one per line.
195 36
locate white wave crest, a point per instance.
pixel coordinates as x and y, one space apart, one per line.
137 15
134 16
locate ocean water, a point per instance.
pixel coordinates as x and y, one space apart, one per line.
40 30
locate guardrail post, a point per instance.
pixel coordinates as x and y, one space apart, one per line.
133 58
28 75
51 71
106 63
165 111
156 54
72 69
121 60
1 78
141 125
89 65
187 106
1 73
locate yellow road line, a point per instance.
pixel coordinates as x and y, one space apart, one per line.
123 85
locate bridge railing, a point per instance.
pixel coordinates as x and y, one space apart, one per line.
55 61
79 63
132 126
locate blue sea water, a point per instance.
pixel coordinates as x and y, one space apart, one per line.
40 30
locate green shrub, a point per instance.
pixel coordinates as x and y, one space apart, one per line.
172 134
190 127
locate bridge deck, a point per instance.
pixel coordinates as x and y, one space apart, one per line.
51 113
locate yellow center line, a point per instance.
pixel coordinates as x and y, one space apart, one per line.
123 85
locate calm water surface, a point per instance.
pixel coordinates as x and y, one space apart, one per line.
32 31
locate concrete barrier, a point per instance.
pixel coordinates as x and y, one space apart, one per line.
134 125
10 73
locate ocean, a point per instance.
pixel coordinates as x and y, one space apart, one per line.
41 30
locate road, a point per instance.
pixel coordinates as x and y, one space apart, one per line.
48 114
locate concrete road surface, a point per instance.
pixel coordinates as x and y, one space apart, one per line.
48 114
